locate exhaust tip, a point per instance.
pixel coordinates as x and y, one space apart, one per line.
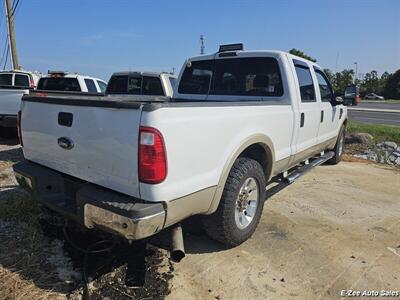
178 248
177 255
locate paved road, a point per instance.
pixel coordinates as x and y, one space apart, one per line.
379 105
372 117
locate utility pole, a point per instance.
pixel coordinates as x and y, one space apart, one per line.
202 47
11 35
355 75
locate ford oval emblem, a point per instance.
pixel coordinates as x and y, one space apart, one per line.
65 143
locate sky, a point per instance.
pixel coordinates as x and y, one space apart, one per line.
100 37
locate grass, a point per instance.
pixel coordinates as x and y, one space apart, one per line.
18 207
379 132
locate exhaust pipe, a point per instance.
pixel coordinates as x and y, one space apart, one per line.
178 248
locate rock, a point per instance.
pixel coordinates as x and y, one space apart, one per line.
391 145
397 161
358 138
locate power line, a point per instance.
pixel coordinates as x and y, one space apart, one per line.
4 52
5 61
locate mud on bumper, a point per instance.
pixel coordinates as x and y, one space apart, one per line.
89 204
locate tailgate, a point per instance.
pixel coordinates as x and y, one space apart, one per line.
84 139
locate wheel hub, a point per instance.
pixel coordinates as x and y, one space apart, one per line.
246 203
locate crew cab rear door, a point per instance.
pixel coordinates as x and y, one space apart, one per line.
309 109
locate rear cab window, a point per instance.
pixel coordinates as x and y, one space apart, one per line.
135 85
21 80
237 76
59 84
6 79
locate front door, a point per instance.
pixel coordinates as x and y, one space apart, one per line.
329 113
309 110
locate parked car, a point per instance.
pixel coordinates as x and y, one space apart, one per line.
71 82
141 83
13 84
373 96
238 121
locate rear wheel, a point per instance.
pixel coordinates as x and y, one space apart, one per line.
339 147
241 204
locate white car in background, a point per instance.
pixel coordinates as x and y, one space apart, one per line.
71 82
13 84
373 96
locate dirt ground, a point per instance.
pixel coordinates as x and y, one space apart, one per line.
336 228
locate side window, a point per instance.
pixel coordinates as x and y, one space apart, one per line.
306 85
172 81
324 87
134 85
90 86
21 80
152 86
196 78
102 86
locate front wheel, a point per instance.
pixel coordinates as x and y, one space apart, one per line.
241 204
339 147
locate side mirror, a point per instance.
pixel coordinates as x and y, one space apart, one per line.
337 99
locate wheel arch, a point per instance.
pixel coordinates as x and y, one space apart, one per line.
258 147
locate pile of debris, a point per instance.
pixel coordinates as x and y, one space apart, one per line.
362 145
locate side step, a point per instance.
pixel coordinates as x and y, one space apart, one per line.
307 167
280 183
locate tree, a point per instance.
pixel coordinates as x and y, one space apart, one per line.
294 51
392 88
342 80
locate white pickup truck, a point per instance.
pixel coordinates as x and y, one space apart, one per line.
71 82
238 121
14 84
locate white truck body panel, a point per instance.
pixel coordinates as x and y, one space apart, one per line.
10 100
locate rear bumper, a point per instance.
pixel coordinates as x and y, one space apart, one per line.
8 120
89 204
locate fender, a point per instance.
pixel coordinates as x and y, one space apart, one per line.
262 139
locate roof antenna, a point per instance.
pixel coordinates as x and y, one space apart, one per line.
202 42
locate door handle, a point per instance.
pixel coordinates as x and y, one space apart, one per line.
302 120
322 116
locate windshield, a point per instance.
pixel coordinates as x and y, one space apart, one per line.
59 84
258 76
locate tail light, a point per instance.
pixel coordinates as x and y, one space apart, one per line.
19 128
152 156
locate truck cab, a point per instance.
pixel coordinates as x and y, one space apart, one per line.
13 84
141 83
71 82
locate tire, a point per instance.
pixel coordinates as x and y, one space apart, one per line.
228 224
339 148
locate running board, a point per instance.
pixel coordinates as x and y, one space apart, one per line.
307 167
